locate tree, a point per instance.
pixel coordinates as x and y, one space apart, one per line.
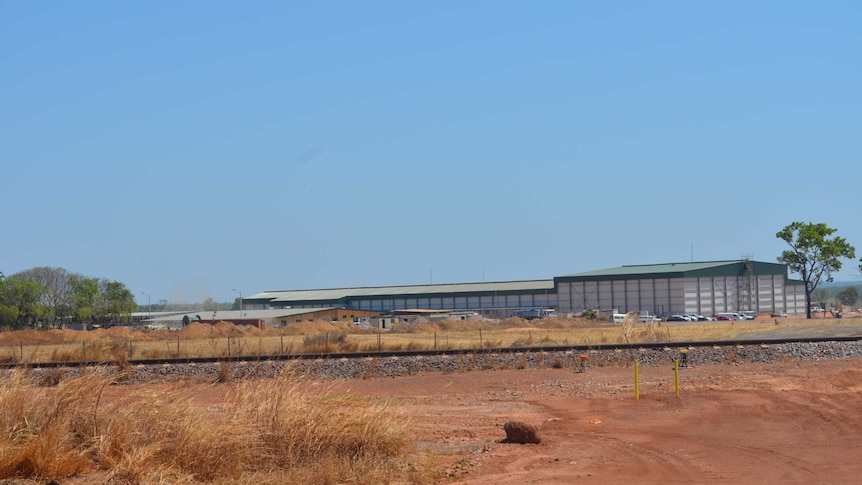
848 296
56 286
812 254
119 302
821 295
20 305
85 300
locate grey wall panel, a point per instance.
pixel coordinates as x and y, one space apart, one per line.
618 295
662 296
767 293
647 296
633 296
564 297
591 294
732 294
707 297
605 296
691 295
677 295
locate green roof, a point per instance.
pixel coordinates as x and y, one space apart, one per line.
678 270
413 291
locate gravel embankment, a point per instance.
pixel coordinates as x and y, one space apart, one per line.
338 368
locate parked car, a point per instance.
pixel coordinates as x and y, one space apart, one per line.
724 318
694 317
677 318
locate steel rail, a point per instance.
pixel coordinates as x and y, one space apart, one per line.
435 352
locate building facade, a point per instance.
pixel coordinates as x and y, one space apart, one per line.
706 288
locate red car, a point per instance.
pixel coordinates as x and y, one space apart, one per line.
723 318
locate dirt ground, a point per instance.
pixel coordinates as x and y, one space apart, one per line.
795 422
777 423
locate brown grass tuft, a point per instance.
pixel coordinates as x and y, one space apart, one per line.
270 433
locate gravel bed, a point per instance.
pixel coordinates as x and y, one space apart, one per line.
342 368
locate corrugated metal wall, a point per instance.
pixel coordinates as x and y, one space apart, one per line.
455 302
665 296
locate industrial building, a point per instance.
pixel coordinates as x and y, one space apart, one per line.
706 288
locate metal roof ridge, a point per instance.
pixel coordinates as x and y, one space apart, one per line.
684 262
409 286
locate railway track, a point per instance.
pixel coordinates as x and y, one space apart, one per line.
442 352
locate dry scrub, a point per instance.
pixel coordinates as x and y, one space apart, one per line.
224 338
269 432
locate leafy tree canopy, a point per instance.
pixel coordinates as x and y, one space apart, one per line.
848 296
813 254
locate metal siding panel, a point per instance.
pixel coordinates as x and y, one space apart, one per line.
473 302
766 294
632 296
618 294
720 294
676 290
732 295
662 296
705 297
691 296
591 294
605 293
564 297
647 296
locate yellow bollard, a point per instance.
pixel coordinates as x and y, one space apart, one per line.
684 354
637 385
676 377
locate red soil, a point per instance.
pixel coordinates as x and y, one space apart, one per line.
794 422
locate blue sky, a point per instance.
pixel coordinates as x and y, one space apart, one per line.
191 148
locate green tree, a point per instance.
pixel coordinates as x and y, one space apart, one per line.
812 254
20 305
56 286
8 314
119 302
85 300
848 296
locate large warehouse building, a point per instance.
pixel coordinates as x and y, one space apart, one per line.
706 288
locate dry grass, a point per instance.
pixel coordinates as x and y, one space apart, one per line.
199 340
270 432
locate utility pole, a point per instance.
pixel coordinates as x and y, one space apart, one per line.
240 302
